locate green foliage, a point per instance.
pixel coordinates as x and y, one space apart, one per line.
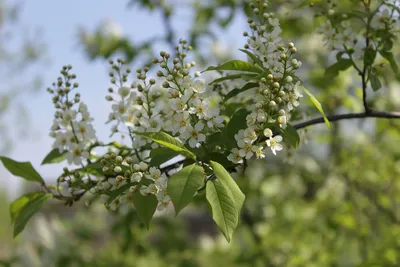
236 123
388 55
375 83
24 170
291 135
236 91
183 185
22 209
116 193
231 77
253 57
168 141
236 65
230 185
333 70
225 199
318 106
145 207
224 211
54 156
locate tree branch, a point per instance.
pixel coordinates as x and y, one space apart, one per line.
365 67
347 116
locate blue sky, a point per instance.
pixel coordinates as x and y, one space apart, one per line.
59 21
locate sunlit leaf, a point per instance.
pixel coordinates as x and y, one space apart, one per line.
237 91
22 209
252 56
22 169
234 77
226 179
183 184
54 157
168 141
236 65
318 106
223 208
333 71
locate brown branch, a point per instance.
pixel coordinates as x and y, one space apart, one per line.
348 116
366 69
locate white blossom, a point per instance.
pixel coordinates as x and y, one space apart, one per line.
274 144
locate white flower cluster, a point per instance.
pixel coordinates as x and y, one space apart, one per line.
122 173
189 111
136 106
277 94
385 24
187 115
72 125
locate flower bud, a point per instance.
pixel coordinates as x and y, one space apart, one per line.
281 120
143 166
268 132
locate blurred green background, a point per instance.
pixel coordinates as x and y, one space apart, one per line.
334 202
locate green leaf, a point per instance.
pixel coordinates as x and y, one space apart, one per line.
215 139
237 91
54 157
223 208
369 56
226 179
168 141
253 57
22 169
333 71
375 83
22 209
389 57
183 184
236 123
237 65
291 135
161 155
145 206
234 77
94 168
116 192
318 106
